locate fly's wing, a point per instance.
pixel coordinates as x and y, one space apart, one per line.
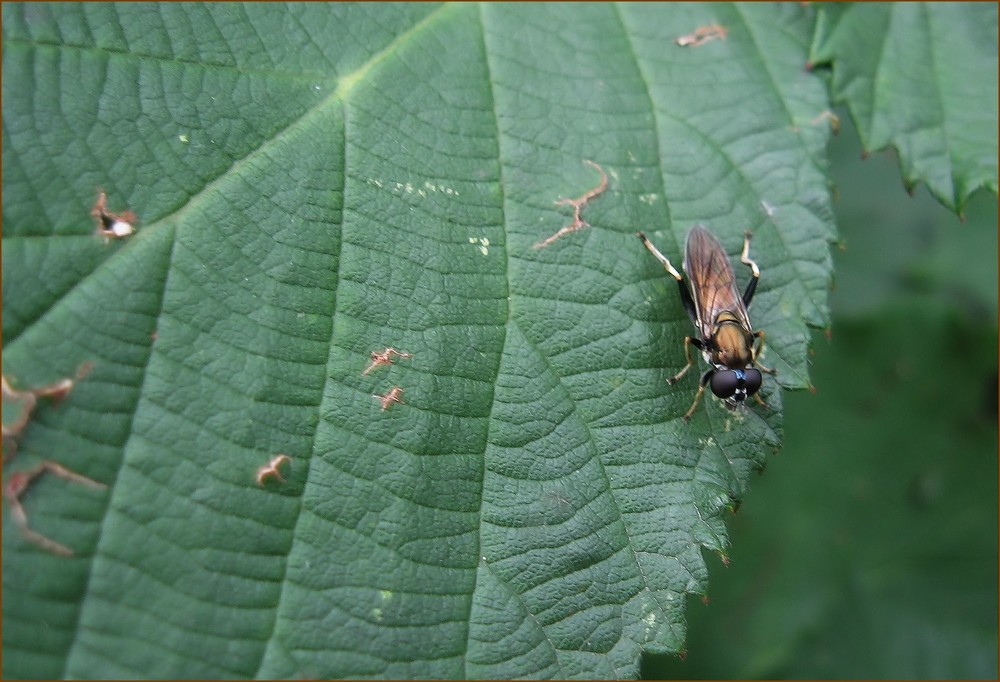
712 280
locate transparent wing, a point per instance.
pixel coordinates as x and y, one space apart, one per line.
712 280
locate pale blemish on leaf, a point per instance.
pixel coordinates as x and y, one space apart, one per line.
650 620
431 187
410 188
484 244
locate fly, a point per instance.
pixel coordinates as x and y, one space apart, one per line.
719 313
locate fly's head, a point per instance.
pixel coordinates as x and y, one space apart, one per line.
734 385
731 353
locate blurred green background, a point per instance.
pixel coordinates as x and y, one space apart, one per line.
868 548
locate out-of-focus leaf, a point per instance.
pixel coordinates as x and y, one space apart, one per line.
317 182
921 77
895 246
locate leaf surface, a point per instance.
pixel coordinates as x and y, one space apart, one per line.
314 183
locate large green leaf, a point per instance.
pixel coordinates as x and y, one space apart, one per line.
317 182
921 77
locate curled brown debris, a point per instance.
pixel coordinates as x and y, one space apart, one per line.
272 470
702 35
393 396
112 225
18 483
384 357
578 204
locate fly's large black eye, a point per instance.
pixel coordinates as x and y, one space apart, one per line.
736 383
725 382
753 379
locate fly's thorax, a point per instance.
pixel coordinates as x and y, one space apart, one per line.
731 343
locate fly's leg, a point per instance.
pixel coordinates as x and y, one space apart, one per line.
745 256
693 314
685 294
759 334
688 342
697 396
754 270
748 296
659 256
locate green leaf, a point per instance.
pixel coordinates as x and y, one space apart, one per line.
317 182
921 77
